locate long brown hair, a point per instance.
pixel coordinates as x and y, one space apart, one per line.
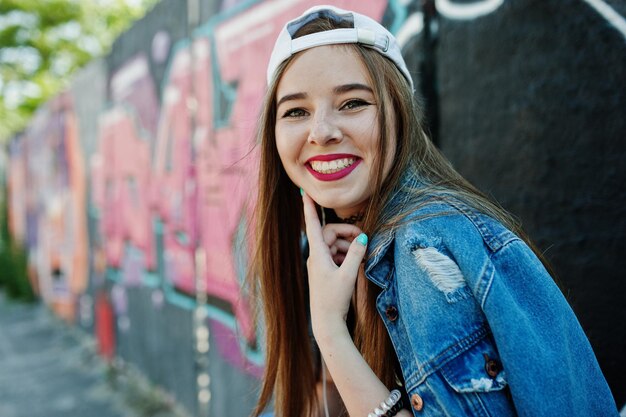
278 272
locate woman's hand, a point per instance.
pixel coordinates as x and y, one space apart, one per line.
331 286
338 237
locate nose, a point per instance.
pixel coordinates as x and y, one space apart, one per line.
324 129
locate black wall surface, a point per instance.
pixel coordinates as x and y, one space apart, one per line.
532 109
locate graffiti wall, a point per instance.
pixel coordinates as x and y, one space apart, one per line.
133 190
47 183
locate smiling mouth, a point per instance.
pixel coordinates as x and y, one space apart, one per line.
330 167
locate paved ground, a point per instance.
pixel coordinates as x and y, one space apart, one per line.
48 369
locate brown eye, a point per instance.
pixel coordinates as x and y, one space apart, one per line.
294 113
354 104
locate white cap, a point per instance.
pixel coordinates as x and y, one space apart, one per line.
365 31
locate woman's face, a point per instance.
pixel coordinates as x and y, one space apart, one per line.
327 128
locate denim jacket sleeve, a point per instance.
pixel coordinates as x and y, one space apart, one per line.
550 367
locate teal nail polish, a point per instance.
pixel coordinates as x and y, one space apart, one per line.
301 192
362 239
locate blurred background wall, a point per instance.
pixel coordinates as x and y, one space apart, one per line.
133 190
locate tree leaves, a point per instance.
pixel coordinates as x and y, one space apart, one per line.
43 42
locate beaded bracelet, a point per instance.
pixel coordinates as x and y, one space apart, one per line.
389 407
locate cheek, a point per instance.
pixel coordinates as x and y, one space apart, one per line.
287 153
366 132
288 144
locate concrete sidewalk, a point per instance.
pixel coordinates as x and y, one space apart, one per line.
49 369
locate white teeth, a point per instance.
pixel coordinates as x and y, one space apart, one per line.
324 167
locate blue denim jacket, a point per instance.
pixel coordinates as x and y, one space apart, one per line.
478 325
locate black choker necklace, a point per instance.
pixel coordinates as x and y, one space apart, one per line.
352 219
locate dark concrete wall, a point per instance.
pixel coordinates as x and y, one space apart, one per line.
532 110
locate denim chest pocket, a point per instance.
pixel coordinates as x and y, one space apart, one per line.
472 383
478 369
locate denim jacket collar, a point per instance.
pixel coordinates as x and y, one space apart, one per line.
377 266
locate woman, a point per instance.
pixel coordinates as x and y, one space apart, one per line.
446 303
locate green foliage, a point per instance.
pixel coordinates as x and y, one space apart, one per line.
42 42
13 273
13 262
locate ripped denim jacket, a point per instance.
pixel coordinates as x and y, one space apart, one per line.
478 325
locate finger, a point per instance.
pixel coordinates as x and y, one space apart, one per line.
342 245
334 231
355 255
312 224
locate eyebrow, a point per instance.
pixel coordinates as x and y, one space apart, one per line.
295 96
340 89
351 87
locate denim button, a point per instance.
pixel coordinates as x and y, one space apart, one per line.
416 402
492 367
392 313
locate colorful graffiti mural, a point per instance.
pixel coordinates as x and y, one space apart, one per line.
193 174
174 163
48 194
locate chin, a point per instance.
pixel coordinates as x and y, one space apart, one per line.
328 203
337 206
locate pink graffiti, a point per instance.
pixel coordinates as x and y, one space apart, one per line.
202 180
121 177
121 171
174 190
